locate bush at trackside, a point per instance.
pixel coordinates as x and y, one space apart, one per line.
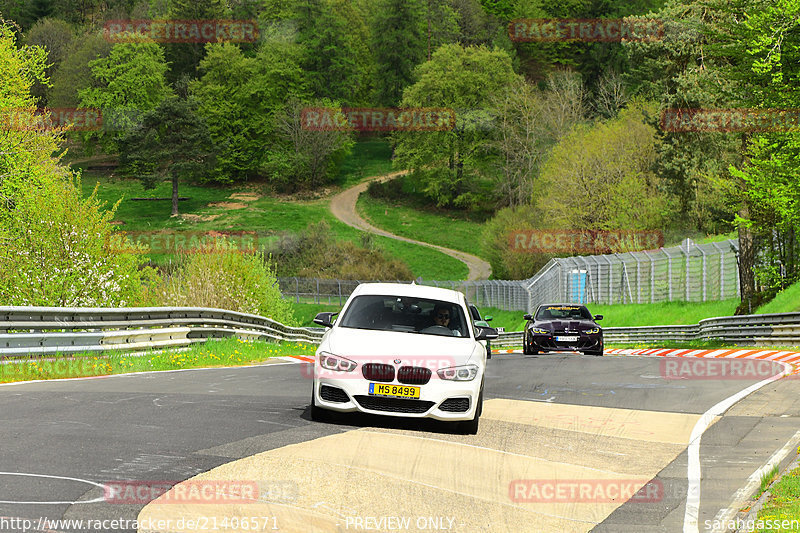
222 277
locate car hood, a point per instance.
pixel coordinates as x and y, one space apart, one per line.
366 343
575 325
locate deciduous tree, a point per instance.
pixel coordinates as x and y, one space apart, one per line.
170 143
131 82
451 163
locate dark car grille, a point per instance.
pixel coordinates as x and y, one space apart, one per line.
378 372
414 375
455 405
394 405
333 394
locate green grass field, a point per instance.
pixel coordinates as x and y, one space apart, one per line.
783 503
786 301
665 313
267 216
370 157
447 229
213 353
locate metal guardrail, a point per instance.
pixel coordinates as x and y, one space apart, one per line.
781 329
51 330
510 338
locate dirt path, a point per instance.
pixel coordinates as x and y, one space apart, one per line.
343 207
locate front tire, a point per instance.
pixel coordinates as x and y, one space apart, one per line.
528 349
470 427
318 414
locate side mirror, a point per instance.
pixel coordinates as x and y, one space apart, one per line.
527 317
488 318
486 334
598 317
325 319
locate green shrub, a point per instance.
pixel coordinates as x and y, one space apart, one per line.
315 253
225 278
507 263
60 251
56 249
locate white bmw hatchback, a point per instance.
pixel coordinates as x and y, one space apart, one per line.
402 350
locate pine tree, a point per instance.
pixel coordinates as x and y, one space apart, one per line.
399 46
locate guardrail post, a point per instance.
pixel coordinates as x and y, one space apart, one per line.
638 279
610 278
704 272
721 271
669 273
688 257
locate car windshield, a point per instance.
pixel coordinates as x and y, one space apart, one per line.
405 314
563 312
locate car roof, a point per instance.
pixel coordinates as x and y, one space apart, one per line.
408 289
561 304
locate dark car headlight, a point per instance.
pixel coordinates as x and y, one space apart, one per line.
592 331
540 331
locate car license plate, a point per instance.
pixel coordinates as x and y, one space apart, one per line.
394 391
568 338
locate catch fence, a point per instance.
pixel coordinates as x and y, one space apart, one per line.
690 272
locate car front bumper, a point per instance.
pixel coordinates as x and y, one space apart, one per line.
439 399
548 343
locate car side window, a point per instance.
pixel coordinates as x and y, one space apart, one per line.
474 315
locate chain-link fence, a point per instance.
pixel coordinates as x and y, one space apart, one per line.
689 272
488 293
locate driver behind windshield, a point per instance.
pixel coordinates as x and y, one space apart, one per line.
441 317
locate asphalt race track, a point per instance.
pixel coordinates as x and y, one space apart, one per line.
605 428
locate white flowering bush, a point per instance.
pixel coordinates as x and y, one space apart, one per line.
223 277
59 250
56 248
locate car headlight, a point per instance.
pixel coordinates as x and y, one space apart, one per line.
334 362
592 331
540 331
458 373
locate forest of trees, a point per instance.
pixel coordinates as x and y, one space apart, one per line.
562 135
